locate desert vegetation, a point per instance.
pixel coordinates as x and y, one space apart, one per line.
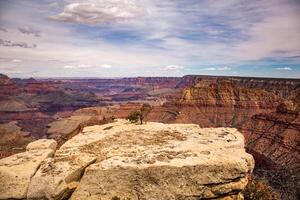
139 115
282 180
259 189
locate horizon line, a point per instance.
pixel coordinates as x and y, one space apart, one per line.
122 77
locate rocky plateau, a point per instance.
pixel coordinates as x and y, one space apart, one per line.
153 161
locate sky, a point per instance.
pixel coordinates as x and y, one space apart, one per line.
128 38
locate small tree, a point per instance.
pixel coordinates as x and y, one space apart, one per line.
145 109
139 115
134 116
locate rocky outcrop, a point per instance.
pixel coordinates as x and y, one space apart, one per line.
16 171
276 136
120 159
160 161
225 93
280 87
59 176
265 110
13 139
7 86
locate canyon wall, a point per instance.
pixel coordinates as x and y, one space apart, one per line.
265 110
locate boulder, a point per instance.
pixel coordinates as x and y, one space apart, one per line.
42 144
153 161
17 170
162 161
59 176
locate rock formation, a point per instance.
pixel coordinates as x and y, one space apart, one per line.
7 86
151 161
264 110
16 171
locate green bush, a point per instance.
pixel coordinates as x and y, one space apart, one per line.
134 116
139 115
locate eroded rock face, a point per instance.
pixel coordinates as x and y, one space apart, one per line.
150 161
16 171
59 176
162 161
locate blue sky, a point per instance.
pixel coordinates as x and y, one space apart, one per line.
125 38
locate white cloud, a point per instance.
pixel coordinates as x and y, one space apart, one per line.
210 69
106 66
69 67
168 32
217 69
284 68
224 68
16 60
28 30
174 67
99 12
85 66
9 43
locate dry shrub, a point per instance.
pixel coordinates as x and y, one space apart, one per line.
284 180
258 189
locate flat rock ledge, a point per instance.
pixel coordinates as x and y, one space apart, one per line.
153 161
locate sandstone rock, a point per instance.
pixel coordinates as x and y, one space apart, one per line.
289 107
58 177
160 161
224 93
42 144
150 161
17 170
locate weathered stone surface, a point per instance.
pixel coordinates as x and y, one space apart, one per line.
153 161
17 170
59 176
162 161
42 144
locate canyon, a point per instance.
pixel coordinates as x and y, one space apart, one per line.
264 110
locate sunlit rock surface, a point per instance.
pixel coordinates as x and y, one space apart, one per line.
150 161
16 171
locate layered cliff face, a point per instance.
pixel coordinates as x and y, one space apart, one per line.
239 93
281 87
266 111
7 86
119 159
276 135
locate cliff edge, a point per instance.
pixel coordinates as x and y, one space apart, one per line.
151 161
